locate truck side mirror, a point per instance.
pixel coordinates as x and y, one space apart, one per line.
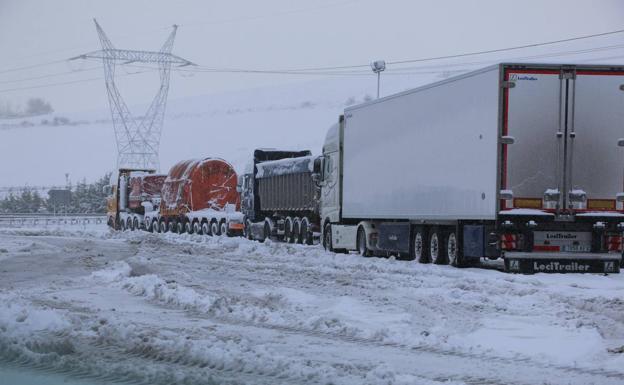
621 142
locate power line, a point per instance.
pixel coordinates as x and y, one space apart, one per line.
31 66
69 82
49 75
465 54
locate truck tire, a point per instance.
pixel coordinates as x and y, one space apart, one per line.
155 228
188 226
162 226
214 228
135 224
306 234
267 231
129 224
196 227
288 230
419 245
122 225
362 249
452 250
223 228
327 241
205 228
296 230
437 247
172 226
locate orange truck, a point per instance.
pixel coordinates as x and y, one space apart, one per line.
196 196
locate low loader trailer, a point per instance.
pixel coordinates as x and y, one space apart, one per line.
523 162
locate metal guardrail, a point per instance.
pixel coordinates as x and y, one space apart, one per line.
43 220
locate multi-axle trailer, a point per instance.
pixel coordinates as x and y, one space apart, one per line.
519 161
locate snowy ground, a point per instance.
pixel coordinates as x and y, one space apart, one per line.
166 308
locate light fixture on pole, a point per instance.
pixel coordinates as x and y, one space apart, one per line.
378 66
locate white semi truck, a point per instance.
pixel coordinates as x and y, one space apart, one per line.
519 161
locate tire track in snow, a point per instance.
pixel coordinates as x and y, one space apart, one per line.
431 349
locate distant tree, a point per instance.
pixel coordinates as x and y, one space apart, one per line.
85 198
38 106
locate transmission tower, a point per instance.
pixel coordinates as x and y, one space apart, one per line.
138 139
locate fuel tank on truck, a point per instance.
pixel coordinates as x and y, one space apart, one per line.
145 188
199 184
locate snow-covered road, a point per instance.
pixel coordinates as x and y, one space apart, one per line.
166 308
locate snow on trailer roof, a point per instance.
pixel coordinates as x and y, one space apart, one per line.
285 166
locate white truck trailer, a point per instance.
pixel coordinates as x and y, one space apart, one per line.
519 161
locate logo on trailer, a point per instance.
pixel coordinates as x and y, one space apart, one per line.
514 265
560 267
516 77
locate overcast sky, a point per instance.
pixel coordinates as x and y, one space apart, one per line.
269 34
252 34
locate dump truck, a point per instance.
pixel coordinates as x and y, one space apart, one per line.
133 197
517 161
279 196
200 196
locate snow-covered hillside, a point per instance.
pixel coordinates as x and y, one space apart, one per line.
228 125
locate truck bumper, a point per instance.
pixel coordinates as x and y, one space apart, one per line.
535 262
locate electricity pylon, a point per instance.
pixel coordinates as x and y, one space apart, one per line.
138 140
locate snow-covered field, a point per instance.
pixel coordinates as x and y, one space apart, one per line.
187 309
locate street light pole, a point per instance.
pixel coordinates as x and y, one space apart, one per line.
378 67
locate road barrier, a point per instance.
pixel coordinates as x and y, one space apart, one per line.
44 220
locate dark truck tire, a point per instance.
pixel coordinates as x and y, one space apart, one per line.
437 247
420 245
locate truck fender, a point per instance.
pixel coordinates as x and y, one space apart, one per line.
371 234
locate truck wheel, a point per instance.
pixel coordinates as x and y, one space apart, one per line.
214 228
172 226
361 243
122 225
196 227
288 230
266 232
223 228
162 226
135 224
421 251
155 228
452 251
327 241
205 228
306 234
437 248
129 224
296 231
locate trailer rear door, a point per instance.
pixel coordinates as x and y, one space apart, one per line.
533 109
566 123
596 123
